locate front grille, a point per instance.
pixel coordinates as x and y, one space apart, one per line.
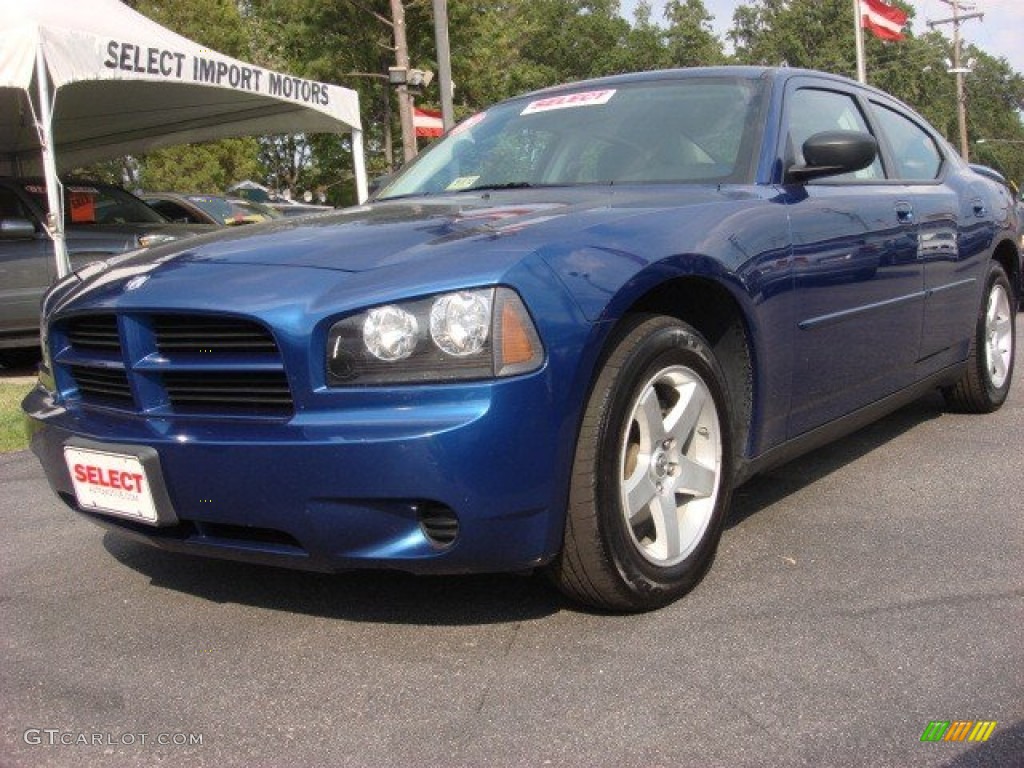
246 391
190 364
94 332
105 386
202 335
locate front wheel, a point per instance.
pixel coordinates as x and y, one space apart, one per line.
651 477
986 381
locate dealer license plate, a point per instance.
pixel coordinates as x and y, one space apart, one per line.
111 483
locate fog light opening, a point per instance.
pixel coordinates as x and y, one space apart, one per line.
439 524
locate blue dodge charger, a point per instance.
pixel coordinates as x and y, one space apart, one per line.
558 340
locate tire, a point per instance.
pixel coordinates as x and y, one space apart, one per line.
652 473
986 381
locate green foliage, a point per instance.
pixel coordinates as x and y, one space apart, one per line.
646 41
214 23
209 168
12 420
691 41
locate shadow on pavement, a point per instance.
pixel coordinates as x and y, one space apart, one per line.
377 596
765 490
393 597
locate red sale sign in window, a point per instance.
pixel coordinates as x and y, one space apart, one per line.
83 206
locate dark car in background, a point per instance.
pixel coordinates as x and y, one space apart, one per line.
558 340
208 209
100 220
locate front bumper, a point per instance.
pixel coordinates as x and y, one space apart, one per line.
340 489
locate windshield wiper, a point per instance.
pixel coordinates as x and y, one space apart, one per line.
505 185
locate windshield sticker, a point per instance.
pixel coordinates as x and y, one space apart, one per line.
468 123
463 182
586 99
83 207
32 189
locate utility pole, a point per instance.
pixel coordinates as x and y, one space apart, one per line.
957 69
444 63
404 97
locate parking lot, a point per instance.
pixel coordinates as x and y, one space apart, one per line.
859 594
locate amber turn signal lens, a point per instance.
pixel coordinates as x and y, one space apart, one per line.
517 345
515 342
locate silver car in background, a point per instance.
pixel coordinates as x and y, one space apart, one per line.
100 220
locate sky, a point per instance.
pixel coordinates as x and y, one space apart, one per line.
1001 33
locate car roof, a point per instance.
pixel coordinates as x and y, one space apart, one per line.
775 74
71 180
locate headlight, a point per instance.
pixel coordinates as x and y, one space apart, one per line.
477 334
390 333
461 322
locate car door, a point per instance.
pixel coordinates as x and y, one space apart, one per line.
946 248
26 269
858 281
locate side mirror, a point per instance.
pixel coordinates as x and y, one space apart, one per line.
17 229
831 153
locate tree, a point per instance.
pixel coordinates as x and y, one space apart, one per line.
691 40
208 168
345 42
816 34
646 42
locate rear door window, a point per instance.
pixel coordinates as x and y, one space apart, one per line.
915 154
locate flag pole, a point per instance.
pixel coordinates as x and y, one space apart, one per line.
858 35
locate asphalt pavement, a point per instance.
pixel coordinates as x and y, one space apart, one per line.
860 593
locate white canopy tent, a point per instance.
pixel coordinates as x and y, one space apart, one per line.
88 80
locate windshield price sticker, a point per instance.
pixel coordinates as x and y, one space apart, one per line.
111 483
586 99
463 182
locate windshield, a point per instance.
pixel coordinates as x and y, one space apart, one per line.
86 203
218 207
251 211
693 130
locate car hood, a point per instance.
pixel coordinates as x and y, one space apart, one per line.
389 233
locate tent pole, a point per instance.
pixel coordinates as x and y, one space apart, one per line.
55 221
359 165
